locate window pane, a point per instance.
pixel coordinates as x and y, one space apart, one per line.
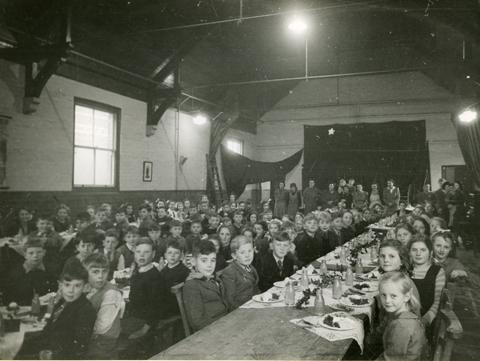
103 168
235 146
83 171
103 129
83 126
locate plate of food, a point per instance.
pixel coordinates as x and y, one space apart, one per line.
366 286
268 297
338 321
282 284
356 301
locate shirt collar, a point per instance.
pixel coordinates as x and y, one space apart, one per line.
276 258
29 267
131 248
146 268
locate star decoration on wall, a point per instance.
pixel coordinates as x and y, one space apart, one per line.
331 131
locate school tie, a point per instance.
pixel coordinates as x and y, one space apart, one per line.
58 311
248 269
280 266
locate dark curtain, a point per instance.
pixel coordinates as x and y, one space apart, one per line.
368 152
468 135
239 171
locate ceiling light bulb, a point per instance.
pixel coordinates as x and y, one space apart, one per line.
468 116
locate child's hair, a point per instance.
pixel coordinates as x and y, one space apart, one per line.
121 210
287 225
153 226
63 206
419 238
112 232
324 216
402 252
441 222
204 247
239 241
96 260
281 237
33 242
83 217
277 222
238 213
212 214
74 270
195 219
173 243
145 206
226 219
144 240
43 217
407 226
85 237
406 286
175 223
310 217
448 236
131 230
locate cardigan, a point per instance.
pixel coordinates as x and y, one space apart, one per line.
240 284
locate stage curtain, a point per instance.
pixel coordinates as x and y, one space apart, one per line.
368 152
239 171
468 135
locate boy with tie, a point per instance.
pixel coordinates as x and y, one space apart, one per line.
203 294
276 265
240 277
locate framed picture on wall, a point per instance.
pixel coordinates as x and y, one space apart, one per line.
147 171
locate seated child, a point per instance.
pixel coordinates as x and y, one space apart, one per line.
325 234
52 243
121 221
225 235
176 232
125 253
276 265
154 232
404 233
213 223
444 255
203 295
404 335
221 262
240 278
274 226
173 273
69 329
144 299
163 219
84 245
337 226
306 243
347 231
108 249
31 277
195 234
107 301
237 223
62 222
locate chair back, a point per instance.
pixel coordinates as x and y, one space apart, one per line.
446 329
177 291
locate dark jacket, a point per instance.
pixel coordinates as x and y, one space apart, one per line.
269 272
308 248
204 301
170 277
240 285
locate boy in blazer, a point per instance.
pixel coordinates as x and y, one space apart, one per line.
240 278
69 328
276 265
203 294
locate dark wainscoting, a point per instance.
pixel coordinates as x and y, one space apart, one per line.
78 200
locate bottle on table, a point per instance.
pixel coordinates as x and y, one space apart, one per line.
319 305
358 267
289 294
323 267
343 256
305 282
349 276
337 288
36 307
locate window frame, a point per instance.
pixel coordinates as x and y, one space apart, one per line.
117 116
240 141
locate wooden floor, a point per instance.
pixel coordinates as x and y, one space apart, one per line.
467 308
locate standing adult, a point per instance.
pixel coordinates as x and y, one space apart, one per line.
310 197
425 195
391 197
375 195
441 200
359 198
329 198
294 200
281 201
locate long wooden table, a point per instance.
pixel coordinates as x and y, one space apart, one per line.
259 334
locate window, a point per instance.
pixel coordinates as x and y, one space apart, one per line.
235 145
95 145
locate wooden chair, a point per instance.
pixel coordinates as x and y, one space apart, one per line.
446 329
177 291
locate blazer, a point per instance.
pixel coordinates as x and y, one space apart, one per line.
68 336
308 248
269 272
204 302
240 285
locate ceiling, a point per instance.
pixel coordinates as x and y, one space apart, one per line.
130 46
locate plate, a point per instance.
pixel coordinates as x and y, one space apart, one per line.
267 297
341 318
366 286
347 301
